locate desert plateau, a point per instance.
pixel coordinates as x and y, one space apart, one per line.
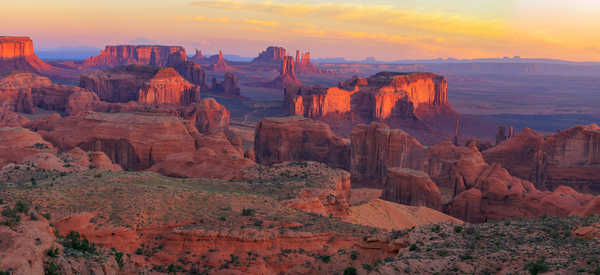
307 137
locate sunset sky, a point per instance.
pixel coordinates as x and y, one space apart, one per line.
385 29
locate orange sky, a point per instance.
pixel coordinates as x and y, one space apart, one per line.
385 29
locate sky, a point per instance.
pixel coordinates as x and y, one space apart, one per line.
354 29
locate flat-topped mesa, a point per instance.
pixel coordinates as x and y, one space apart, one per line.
405 94
383 97
272 56
14 47
17 54
113 56
146 84
287 75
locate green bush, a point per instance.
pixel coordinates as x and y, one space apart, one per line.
413 247
74 241
325 258
458 229
248 212
350 271
537 267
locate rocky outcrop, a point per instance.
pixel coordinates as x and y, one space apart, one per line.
144 84
228 87
271 57
386 96
113 56
25 92
295 139
287 75
570 157
316 102
135 141
11 119
208 116
139 141
411 187
189 70
167 86
303 64
220 65
376 147
17 54
18 144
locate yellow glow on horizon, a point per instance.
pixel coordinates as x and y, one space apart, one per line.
353 28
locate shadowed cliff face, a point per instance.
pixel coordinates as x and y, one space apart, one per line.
569 157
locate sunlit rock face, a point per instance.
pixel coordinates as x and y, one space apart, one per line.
127 54
145 84
382 97
17 54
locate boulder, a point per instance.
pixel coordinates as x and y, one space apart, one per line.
208 116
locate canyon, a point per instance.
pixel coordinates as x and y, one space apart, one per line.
145 160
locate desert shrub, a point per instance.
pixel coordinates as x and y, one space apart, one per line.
51 269
74 241
436 228
350 271
458 229
537 267
248 212
413 247
325 258
52 253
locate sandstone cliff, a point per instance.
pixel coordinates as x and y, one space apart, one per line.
145 84
287 75
271 57
569 157
113 56
316 102
221 65
411 187
17 54
227 87
26 92
296 138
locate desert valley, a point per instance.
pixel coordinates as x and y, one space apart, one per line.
150 159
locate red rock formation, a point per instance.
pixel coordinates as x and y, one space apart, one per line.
24 92
303 64
296 138
411 187
570 157
139 141
317 102
221 65
16 54
11 119
376 147
272 56
385 96
135 141
18 144
113 56
287 75
208 116
197 56
228 87
141 83
167 86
